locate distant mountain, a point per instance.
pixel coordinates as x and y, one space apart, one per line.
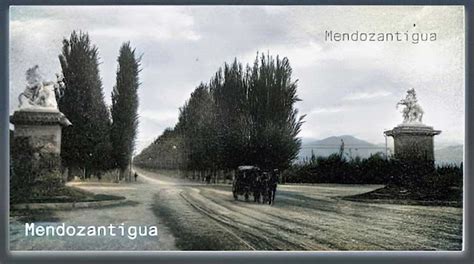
450 154
352 147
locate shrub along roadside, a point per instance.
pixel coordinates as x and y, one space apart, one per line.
376 170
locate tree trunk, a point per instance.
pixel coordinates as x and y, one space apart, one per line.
121 174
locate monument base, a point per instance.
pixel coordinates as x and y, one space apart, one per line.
36 148
413 142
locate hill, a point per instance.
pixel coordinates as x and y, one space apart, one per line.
352 147
450 154
356 147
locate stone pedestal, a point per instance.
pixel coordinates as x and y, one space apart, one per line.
42 128
36 147
413 142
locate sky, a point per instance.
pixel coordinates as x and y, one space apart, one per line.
347 88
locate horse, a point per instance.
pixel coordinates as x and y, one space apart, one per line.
40 93
46 95
412 111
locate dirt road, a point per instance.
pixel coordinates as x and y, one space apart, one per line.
137 212
204 217
195 216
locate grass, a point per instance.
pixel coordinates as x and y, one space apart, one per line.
67 194
449 196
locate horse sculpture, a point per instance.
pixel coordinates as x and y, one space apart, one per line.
412 113
40 94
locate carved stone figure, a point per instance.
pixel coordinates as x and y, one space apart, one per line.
412 113
413 140
40 94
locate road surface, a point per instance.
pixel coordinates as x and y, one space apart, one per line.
195 216
303 218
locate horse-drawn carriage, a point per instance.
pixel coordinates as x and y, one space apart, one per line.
251 180
244 180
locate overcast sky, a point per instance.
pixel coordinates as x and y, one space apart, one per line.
346 87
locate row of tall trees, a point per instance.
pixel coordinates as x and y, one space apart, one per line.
164 153
99 138
242 116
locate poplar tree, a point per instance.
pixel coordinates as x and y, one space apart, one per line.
125 107
229 91
275 121
85 144
196 124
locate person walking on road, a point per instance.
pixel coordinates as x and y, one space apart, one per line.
273 186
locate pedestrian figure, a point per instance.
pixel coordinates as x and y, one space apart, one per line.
135 175
264 187
256 188
273 186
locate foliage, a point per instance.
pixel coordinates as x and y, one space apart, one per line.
274 122
125 106
244 115
22 173
34 173
375 170
164 153
85 144
197 128
229 91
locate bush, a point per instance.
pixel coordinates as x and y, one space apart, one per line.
33 173
375 170
22 172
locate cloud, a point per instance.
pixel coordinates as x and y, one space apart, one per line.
346 88
161 35
138 23
160 116
299 54
326 110
367 95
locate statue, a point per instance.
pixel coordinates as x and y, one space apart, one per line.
412 113
413 141
38 124
40 94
